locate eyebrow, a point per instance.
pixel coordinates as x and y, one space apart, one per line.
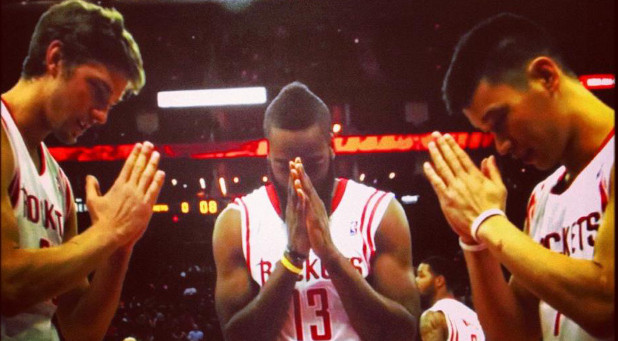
101 85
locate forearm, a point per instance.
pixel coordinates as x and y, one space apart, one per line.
503 321
581 289
30 276
93 312
373 316
264 316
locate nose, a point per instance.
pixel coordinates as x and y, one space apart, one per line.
503 144
99 116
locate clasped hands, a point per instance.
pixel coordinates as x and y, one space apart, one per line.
464 191
306 216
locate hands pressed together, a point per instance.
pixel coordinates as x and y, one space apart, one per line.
126 208
306 216
464 191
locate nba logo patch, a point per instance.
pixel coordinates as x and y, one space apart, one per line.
353 227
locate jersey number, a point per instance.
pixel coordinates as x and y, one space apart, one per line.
315 297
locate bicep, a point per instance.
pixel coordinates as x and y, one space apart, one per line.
234 286
433 326
392 274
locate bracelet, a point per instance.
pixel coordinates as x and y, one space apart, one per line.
472 247
481 218
288 265
294 256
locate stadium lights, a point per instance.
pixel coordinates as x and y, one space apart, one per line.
222 186
211 97
409 199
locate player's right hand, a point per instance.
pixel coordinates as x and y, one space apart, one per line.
298 240
126 208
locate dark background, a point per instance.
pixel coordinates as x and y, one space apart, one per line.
368 57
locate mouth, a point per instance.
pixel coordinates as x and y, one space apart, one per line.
83 126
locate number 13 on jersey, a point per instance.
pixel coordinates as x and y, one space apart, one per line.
321 329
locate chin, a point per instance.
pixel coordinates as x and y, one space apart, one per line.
66 138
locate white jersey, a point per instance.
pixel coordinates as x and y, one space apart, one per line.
41 203
462 322
568 223
316 311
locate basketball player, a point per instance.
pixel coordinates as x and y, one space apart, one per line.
80 63
311 256
446 318
508 79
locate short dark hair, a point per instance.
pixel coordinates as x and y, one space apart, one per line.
497 50
88 33
440 266
296 108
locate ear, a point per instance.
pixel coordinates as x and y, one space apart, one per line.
439 281
332 146
545 70
53 57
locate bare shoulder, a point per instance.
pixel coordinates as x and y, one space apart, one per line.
227 237
394 231
433 322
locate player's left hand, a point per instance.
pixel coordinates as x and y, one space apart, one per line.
317 221
463 190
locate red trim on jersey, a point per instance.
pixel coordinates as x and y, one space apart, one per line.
607 138
362 225
604 195
14 188
341 186
372 248
450 323
8 107
42 159
68 195
247 239
274 199
531 206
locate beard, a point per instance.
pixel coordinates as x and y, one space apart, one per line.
324 188
427 297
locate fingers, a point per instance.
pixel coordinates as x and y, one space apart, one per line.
155 187
435 180
141 162
464 160
125 173
305 181
292 196
440 165
149 172
493 171
92 187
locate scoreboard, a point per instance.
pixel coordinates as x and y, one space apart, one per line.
204 206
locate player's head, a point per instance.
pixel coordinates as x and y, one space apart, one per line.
84 51
88 34
502 76
297 123
435 276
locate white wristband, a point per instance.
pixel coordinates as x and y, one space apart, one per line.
472 247
481 218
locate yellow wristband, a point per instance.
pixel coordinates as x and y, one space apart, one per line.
288 265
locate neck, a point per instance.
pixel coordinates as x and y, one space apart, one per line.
442 294
591 122
25 101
